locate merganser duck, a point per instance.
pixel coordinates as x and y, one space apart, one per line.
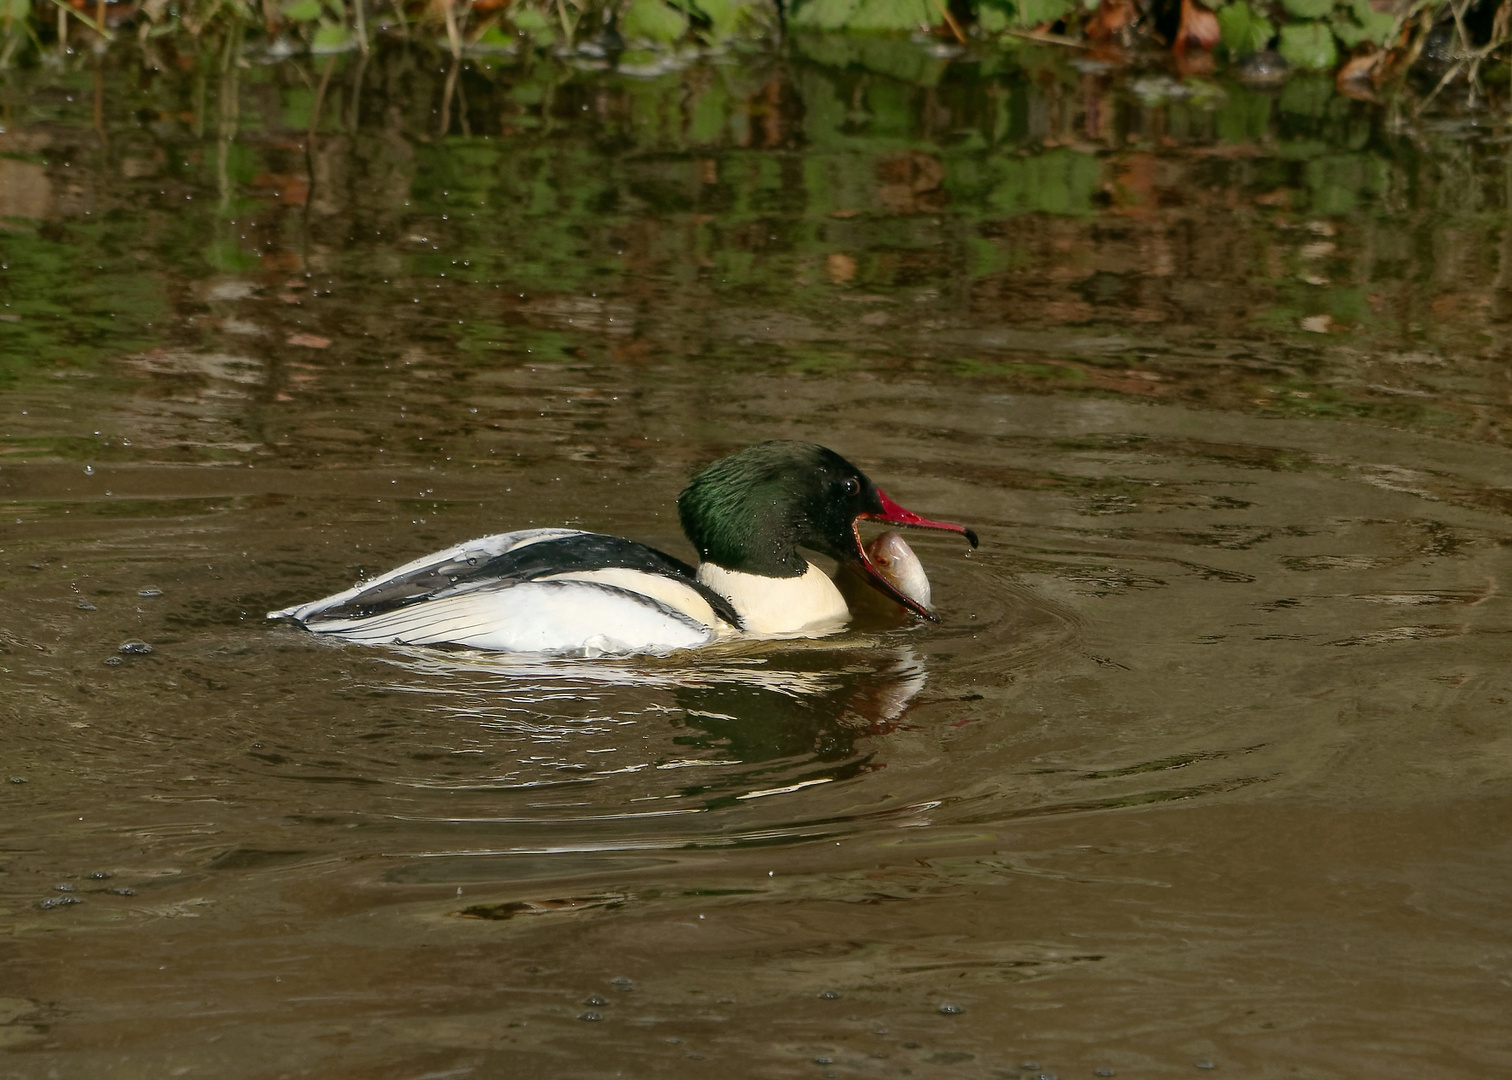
568 592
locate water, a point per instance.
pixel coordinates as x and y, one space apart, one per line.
1206 765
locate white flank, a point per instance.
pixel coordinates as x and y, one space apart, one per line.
677 595
551 617
808 605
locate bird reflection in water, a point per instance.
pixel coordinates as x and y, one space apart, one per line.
783 707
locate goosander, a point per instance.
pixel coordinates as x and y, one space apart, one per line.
568 592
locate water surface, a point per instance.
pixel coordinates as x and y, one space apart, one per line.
1206 765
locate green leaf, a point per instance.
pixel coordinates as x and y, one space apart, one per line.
1308 45
892 15
653 20
825 14
1244 30
1363 23
532 23
726 17
1308 9
16 9
331 38
494 38
1032 13
992 19
302 10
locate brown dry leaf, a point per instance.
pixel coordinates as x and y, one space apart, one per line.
1199 27
310 341
1111 17
841 268
1358 73
281 260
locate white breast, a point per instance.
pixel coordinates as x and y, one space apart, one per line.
808 605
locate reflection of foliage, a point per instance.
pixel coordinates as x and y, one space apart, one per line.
810 225
73 298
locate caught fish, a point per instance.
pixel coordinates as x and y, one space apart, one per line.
899 566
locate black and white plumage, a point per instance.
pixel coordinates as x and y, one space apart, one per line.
539 591
567 592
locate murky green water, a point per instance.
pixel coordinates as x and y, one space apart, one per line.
1208 764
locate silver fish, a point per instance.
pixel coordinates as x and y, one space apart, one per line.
896 562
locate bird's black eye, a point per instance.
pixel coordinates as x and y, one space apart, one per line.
852 486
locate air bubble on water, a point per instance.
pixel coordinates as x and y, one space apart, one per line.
134 648
149 592
1103 1072
596 999
823 1059
830 995
101 875
622 981
590 1016
89 470
951 1009
112 660
1204 1064
85 605
58 901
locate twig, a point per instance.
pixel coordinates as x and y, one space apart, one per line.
955 27
1047 39
569 26
446 100
64 10
359 14
320 93
1445 81
453 35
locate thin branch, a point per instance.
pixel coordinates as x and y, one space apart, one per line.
64 9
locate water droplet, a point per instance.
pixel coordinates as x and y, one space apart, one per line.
951 1009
